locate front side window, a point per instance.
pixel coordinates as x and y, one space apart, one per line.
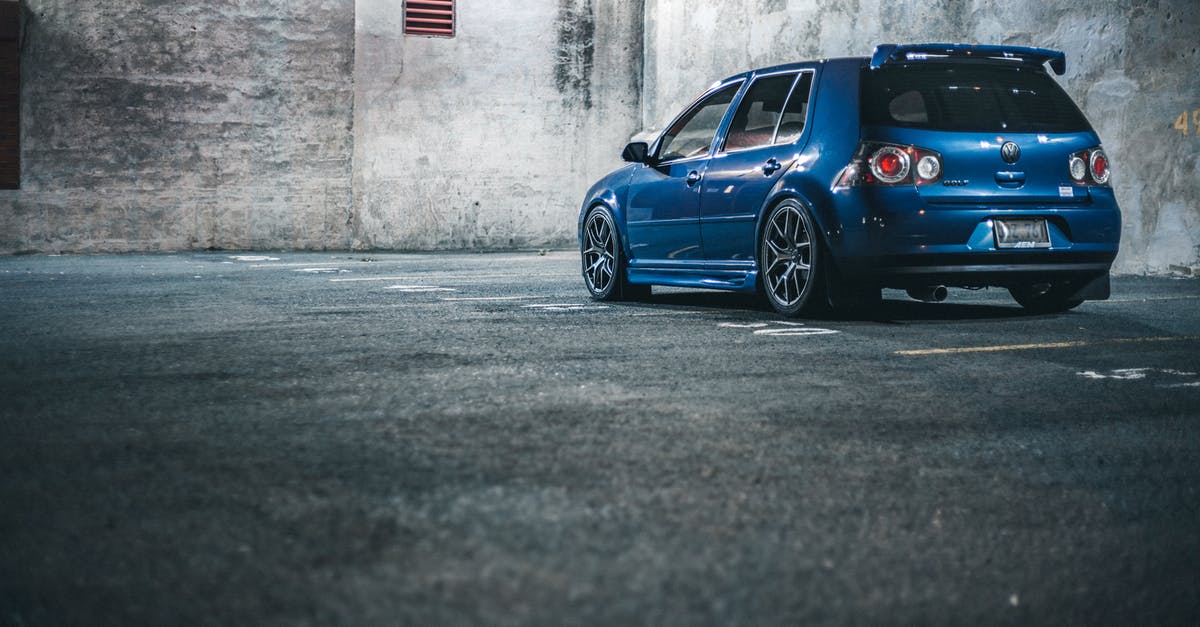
692 134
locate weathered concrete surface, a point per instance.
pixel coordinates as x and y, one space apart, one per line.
153 125
1131 66
490 139
317 124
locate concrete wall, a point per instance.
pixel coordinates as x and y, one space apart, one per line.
1131 66
490 139
311 124
159 125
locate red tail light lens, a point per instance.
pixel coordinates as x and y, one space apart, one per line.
882 164
1089 166
890 164
1099 162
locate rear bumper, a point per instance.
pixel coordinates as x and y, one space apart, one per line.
896 240
979 269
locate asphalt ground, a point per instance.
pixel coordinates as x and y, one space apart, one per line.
227 438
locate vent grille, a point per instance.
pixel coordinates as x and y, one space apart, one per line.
429 17
10 95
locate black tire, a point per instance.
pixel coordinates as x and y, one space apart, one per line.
1046 297
603 259
792 261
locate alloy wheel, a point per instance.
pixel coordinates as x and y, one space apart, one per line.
787 255
599 253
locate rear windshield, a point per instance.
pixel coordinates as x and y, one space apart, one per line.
968 97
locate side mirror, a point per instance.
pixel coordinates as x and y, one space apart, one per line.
636 152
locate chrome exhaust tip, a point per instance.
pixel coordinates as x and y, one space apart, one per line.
929 293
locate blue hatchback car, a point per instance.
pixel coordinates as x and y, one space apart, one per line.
820 183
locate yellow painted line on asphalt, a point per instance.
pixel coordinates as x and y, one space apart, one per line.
440 277
1044 345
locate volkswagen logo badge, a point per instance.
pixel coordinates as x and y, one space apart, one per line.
1010 152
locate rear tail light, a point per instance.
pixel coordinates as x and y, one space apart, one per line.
1078 169
1089 166
890 165
1099 166
876 163
929 168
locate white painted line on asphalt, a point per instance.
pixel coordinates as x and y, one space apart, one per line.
795 331
556 307
1139 374
299 264
320 270
670 313
420 288
1125 374
782 328
1143 300
491 298
443 277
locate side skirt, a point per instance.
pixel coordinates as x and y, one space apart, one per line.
736 280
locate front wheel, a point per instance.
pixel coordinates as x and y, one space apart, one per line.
603 261
791 260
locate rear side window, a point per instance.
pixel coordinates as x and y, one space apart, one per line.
756 118
794 114
963 97
772 111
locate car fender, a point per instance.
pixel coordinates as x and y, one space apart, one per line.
608 192
801 188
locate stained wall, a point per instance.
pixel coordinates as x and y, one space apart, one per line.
317 124
1131 66
490 139
162 125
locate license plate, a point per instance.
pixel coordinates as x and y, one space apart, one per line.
1027 233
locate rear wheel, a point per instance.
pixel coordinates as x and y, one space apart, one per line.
791 260
1046 297
603 261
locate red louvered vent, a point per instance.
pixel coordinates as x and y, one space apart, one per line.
10 95
429 17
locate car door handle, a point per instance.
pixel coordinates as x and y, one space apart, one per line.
770 167
693 177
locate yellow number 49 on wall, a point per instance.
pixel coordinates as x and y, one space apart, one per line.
1181 122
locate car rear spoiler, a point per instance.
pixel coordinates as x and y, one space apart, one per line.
892 53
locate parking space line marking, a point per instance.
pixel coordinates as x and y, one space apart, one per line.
419 288
1146 299
426 277
302 265
492 298
672 313
1022 347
